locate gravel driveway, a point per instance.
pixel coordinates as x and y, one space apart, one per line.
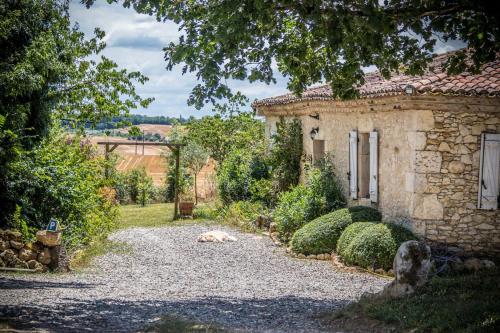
249 285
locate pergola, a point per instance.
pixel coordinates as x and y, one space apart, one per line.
174 147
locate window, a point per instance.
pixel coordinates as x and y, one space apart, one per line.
363 164
489 172
318 150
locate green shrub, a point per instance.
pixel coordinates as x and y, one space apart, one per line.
286 153
243 176
242 214
323 179
262 190
295 208
321 234
376 245
206 212
234 178
63 178
348 235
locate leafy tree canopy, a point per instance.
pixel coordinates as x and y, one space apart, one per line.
314 41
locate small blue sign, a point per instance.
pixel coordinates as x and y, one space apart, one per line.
52 226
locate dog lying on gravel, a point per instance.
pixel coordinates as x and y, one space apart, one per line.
216 236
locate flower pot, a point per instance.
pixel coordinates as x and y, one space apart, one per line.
186 208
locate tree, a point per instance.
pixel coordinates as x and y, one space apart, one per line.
219 135
47 73
286 154
134 132
314 41
195 157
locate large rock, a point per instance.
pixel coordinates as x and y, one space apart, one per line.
13 235
16 245
9 257
27 254
4 245
411 268
33 264
472 264
48 238
44 256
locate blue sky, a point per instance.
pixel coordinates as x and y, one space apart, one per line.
135 41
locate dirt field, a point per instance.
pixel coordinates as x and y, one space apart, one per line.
154 160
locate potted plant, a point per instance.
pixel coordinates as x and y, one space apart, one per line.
186 205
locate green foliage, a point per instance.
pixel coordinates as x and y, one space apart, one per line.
63 178
233 177
321 235
286 154
376 245
262 190
465 303
242 214
194 158
324 180
219 135
295 208
134 132
318 41
48 71
20 224
348 235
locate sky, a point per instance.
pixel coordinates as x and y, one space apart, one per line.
135 42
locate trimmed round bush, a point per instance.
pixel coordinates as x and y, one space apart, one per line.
321 235
375 246
349 234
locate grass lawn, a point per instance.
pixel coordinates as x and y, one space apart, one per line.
465 303
154 215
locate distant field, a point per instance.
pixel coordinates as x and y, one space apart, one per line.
155 161
163 130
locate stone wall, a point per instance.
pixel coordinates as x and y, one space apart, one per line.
37 256
447 180
428 159
396 134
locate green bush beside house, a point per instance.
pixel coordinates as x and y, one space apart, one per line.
321 235
375 246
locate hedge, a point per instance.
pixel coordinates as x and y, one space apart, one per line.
376 245
348 235
321 235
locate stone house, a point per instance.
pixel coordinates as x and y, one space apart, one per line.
424 150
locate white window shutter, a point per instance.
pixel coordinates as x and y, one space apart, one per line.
489 171
353 164
373 166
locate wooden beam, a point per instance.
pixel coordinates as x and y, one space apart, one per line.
177 153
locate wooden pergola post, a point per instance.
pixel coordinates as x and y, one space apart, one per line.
174 147
177 153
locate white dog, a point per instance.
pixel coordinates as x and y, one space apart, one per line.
216 236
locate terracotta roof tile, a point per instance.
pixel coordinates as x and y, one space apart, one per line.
435 81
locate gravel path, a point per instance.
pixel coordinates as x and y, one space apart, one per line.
249 285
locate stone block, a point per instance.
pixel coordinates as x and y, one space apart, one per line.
428 161
48 238
456 167
444 147
427 207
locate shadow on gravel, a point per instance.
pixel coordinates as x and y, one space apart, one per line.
12 283
283 314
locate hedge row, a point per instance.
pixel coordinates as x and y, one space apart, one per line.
356 234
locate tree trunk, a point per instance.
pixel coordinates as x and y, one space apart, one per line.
195 189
